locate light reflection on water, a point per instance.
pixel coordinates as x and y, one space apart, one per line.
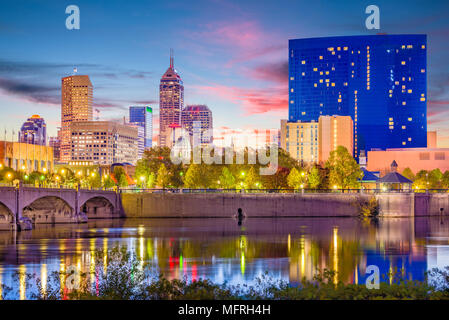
220 250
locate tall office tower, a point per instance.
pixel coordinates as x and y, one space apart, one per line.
34 131
378 80
104 142
171 101
76 105
143 117
198 119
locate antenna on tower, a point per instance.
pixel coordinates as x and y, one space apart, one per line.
75 70
171 58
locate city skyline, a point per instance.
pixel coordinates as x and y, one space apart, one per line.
237 66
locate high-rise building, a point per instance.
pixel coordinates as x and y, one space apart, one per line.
103 142
197 121
171 101
378 80
34 131
140 139
312 142
334 131
143 117
55 143
76 105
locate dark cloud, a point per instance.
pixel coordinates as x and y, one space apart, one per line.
274 72
30 92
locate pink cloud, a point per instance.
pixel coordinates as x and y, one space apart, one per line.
254 101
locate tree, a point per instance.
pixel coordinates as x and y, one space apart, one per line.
123 181
294 179
195 178
314 178
227 180
435 178
277 180
344 172
118 173
151 180
108 182
408 173
162 176
445 180
252 179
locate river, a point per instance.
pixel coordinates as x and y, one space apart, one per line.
221 250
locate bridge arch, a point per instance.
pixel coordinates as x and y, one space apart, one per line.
98 207
49 209
6 216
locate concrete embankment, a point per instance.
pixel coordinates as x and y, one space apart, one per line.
253 205
175 205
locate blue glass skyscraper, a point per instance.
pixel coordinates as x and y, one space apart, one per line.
143 116
378 80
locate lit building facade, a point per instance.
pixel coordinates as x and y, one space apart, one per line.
143 117
55 143
416 159
171 101
26 157
378 80
197 121
76 105
312 142
34 131
104 142
300 140
334 131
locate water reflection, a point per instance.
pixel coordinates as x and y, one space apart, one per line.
220 250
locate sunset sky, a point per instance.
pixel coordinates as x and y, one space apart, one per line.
231 55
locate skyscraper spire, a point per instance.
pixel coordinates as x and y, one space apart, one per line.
171 58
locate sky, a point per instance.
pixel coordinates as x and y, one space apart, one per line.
231 55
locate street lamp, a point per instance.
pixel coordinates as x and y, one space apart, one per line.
44 170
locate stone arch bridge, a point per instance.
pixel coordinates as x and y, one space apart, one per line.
24 206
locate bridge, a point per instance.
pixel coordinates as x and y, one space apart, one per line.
23 206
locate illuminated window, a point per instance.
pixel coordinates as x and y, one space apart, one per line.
292 78
403 62
409 119
303 61
321 57
404 103
315 69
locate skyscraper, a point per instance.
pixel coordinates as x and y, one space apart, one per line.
76 105
171 101
198 119
143 117
34 131
379 80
